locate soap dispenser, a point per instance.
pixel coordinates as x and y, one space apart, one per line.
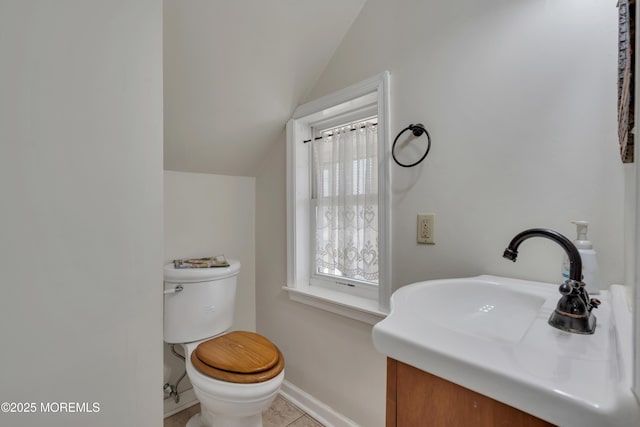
589 260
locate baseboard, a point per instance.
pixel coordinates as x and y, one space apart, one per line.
187 400
315 408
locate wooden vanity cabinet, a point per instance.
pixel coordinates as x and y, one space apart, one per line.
418 399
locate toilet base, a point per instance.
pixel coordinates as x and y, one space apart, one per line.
198 421
194 421
226 404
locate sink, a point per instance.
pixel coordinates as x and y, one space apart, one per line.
490 334
475 308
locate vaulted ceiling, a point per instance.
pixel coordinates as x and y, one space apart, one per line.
234 71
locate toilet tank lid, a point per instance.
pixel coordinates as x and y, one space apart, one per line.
196 275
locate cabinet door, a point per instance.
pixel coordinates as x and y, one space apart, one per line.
424 400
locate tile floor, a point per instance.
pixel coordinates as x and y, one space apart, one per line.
282 413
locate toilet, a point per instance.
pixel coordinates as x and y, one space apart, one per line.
235 375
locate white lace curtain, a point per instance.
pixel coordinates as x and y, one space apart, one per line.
346 182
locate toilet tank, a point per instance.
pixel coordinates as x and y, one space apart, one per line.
203 307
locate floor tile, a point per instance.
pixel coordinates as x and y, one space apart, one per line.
180 419
305 421
281 413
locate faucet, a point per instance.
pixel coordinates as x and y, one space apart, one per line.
573 311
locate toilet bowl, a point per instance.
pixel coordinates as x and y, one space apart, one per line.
239 399
235 375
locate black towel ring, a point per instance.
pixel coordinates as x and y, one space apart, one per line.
417 129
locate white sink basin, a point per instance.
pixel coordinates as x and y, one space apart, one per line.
490 334
475 308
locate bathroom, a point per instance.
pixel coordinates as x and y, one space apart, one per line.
520 102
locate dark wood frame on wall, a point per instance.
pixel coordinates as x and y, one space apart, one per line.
626 77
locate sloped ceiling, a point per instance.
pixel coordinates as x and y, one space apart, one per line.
234 71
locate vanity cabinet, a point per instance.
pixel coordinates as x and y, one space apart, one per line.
418 399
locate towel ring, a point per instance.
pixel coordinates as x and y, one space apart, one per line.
417 129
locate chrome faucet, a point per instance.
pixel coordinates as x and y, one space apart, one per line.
573 311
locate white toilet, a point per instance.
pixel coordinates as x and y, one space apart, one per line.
235 375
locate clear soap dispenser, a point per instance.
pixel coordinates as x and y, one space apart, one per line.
589 259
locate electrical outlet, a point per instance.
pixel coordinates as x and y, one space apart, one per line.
426 228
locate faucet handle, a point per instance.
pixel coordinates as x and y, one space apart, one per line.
568 287
594 303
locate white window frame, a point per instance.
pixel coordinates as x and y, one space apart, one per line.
343 300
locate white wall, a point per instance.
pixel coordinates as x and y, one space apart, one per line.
328 356
630 218
520 101
81 229
632 254
234 71
206 215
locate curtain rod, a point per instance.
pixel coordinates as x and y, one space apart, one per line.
350 130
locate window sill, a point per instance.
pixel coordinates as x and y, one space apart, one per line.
354 307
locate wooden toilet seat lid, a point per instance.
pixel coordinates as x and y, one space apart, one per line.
240 352
240 357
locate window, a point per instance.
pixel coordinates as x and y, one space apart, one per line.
338 201
344 205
